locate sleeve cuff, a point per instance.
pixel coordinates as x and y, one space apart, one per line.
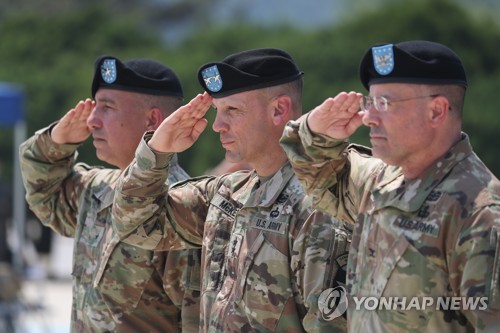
147 158
55 151
311 138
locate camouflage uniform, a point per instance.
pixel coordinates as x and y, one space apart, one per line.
265 258
435 236
116 287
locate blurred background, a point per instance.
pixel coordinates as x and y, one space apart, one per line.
47 53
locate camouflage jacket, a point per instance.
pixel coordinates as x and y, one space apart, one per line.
265 258
116 287
434 237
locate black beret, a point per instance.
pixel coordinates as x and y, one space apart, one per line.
419 61
248 70
143 75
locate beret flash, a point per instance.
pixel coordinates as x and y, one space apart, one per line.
421 62
248 70
143 75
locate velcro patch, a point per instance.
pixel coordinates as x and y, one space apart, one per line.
269 225
425 227
225 205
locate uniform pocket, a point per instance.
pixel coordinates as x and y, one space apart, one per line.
217 232
264 285
128 273
193 279
411 277
88 248
386 265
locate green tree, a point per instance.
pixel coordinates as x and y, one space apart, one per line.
330 59
52 55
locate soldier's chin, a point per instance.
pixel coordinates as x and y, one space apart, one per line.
233 157
102 156
385 157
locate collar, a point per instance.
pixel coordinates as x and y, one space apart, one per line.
409 195
265 195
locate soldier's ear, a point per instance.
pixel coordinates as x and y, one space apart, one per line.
154 119
440 107
281 109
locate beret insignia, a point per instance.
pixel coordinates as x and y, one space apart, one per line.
108 70
212 78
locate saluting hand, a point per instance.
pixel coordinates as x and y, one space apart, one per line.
337 117
72 127
182 128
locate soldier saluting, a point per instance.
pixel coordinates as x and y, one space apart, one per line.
255 278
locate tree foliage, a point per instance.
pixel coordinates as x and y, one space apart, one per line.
52 56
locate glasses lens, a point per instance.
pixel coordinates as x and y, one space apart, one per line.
376 103
365 102
380 103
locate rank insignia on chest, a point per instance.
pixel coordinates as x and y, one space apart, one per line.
235 245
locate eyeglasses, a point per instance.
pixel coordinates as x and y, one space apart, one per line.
381 103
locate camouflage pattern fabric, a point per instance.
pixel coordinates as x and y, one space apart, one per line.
435 236
265 257
116 287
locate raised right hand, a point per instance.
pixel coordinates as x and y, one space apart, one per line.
182 128
337 117
72 127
